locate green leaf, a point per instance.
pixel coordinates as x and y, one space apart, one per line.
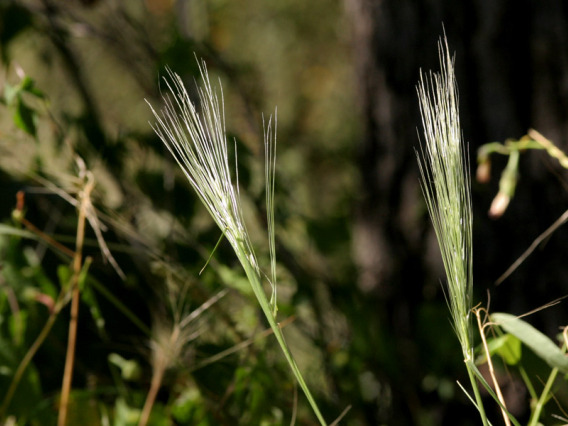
17 232
540 344
17 323
188 407
24 117
124 415
507 346
10 93
471 366
28 85
129 368
64 275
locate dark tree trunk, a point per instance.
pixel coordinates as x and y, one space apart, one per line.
512 70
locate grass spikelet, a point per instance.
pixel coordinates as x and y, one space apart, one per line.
446 185
197 140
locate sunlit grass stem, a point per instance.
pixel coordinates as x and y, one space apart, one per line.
197 141
75 295
446 186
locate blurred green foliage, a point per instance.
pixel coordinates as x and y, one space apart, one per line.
74 81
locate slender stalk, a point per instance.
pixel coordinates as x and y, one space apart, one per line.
168 343
77 266
477 394
491 369
157 377
534 420
265 306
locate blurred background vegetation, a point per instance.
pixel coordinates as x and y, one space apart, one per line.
359 270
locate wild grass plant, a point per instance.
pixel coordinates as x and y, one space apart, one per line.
198 142
221 373
443 163
446 186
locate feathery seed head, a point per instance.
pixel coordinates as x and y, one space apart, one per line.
444 169
198 142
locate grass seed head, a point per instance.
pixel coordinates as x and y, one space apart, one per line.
197 140
444 169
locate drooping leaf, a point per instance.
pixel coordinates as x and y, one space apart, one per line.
540 344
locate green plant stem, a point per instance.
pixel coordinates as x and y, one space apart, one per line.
528 382
25 362
265 305
543 398
478 399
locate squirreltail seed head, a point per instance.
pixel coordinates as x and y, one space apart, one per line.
198 142
444 169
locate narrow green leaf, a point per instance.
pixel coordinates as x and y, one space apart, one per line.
540 344
88 297
17 232
84 273
471 366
